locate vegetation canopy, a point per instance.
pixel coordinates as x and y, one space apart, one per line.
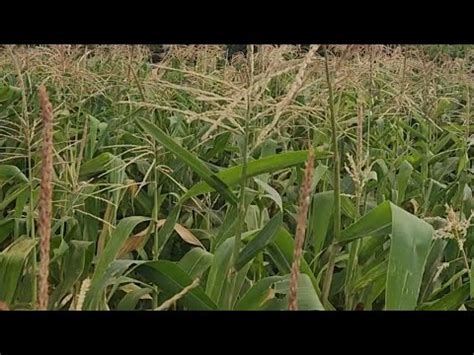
269 178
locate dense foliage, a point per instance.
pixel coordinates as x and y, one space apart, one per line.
176 184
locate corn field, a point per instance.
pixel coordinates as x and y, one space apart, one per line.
278 178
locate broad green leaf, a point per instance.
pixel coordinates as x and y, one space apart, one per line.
260 241
226 230
219 145
402 180
233 292
99 164
6 227
12 261
272 193
281 252
130 300
9 93
73 268
319 173
307 297
371 275
370 246
219 272
410 244
451 302
196 262
190 159
13 194
110 253
321 213
258 294
11 173
165 231
170 278
231 176
463 163
376 289
91 138
95 297
376 220
434 259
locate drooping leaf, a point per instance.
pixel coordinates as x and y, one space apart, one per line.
12 262
73 268
403 177
258 294
190 159
321 213
260 241
170 278
109 254
6 227
410 244
196 262
218 274
130 300
99 164
451 302
231 176
306 295
11 173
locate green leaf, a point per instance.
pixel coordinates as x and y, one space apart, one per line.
218 274
190 159
231 176
272 193
256 296
281 252
165 231
451 302
11 173
73 267
237 287
170 278
410 243
321 213
226 230
307 297
9 93
109 254
260 241
112 277
99 164
92 138
403 177
13 194
434 259
376 220
6 227
130 300
196 262
371 275
12 261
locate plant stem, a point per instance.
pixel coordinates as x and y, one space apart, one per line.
243 180
354 247
334 248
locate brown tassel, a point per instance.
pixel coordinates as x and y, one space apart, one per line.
303 206
45 200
